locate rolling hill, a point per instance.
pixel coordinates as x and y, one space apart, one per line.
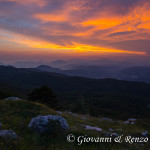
102 96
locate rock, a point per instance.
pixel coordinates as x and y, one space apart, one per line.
130 121
59 112
13 98
87 127
107 119
126 122
110 134
8 134
145 133
111 130
43 124
114 134
0 125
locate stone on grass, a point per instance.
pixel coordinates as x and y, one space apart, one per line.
114 134
13 98
44 124
130 121
87 127
111 130
59 112
8 134
145 133
107 119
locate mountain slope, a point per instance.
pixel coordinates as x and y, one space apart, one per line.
30 78
16 115
102 96
141 74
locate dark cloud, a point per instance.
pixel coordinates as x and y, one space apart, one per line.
133 45
121 33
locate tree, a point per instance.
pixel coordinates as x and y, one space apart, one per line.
44 95
79 105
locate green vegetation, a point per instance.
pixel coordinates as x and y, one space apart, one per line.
44 95
79 106
16 115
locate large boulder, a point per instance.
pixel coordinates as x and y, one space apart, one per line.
48 124
8 134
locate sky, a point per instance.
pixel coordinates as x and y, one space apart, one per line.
65 29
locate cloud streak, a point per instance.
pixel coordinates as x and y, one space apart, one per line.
81 26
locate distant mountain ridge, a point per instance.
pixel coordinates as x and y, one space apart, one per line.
32 78
141 74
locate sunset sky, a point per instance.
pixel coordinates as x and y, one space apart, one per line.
44 29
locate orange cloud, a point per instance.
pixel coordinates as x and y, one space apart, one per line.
51 17
103 23
76 48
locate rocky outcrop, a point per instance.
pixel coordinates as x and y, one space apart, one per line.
44 124
8 134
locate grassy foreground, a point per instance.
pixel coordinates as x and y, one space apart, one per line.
16 115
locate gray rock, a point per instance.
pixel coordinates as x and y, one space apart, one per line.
111 134
59 112
107 119
13 98
126 122
145 133
111 130
130 121
87 127
8 134
114 134
43 124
